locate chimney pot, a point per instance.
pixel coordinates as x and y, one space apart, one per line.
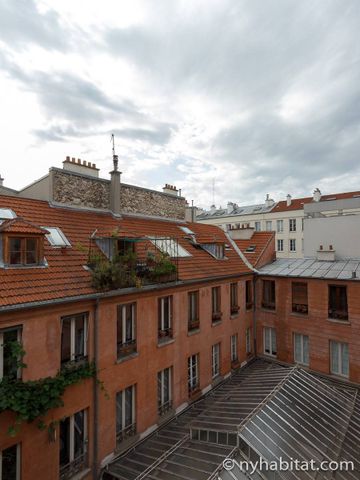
93 165
321 247
68 158
84 163
79 161
330 247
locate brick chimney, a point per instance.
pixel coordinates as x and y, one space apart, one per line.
288 200
80 166
1 181
115 187
170 189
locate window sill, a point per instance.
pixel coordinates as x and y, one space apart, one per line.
128 357
300 315
163 343
272 355
193 332
268 310
195 394
216 323
340 322
339 376
234 315
235 364
216 380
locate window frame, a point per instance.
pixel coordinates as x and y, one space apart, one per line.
280 241
234 356
126 430
302 360
215 360
73 319
279 226
23 250
271 335
257 226
268 226
340 359
193 363
18 330
292 244
125 347
165 332
193 310
249 295
17 461
338 314
248 346
74 466
292 224
297 307
234 298
268 303
164 406
216 313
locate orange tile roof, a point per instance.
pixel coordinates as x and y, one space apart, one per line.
298 203
19 225
65 275
261 240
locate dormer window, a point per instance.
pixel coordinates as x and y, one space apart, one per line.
215 249
23 251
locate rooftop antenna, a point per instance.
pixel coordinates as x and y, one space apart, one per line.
213 191
115 157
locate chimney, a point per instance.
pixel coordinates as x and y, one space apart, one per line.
1 181
115 187
324 255
81 167
170 189
288 200
212 209
230 207
316 195
269 202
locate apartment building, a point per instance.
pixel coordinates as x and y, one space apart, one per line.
285 218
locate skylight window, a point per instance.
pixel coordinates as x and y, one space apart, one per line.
7 214
215 249
169 246
56 237
187 230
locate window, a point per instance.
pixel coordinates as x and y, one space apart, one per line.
268 297
169 246
193 373
292 245
268 225
301 348
8 365
56 237
279 226
74 338
280 245
292 225
248 294
193 302
126 339
73 444
338 307
125 247
23 251
215 363
270 341
234 348
234 304
215 249
216 304
165 318
339 358
10 463
299 297
7 214
164 391
125 414
257 226
248 340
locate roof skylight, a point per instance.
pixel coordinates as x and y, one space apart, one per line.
187 230
169 246
56 237
7 214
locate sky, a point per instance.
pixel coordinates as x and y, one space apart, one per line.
226 99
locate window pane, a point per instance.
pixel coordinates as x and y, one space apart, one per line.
119 423
15 251
9 461
306 349
79 336
297 341
9 363
129 323
273 341
65 441
66 340
31 251
79 434
334 357
345 359
128 406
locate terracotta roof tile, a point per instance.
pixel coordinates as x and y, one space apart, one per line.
261 241
298 203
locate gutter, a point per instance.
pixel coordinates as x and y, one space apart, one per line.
96 392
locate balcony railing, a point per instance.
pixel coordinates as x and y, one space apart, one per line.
300 308
127 432
338 314
126 348
70 469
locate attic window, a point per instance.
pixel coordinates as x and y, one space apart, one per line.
215 249
169 246
250 248
7 214
187 230
23 251
56 237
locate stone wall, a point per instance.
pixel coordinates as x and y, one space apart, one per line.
80 190
149 202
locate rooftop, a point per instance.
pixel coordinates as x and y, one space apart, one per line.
255 247
312 268
264 408
238 210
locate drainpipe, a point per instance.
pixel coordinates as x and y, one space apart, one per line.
254 313
96 391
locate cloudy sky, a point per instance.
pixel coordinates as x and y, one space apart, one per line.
253 96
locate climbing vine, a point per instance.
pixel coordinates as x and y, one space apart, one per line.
32 399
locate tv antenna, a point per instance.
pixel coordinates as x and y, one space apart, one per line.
115 157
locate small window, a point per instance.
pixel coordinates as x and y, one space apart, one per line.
234 303
339 358
74 330
165 318
126 334
125 414
10 463
187 230
164 390
299 297
248 294
125 247
338 306
292 225
193 303
292 245
248 340
216 304
169 246
7 214
56 237
215 364
8 365
279 226
215 249
268 295
73 444
23 251
268 225
301 349
280 245
193 373
234 348
257 226
270 341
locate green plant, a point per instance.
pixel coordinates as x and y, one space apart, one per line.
163 266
